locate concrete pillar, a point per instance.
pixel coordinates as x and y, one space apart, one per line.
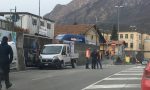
20 51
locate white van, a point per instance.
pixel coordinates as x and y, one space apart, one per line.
58 55
15 56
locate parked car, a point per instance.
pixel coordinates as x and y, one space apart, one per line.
145 82
145 61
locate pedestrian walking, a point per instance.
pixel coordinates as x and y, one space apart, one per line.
87 55
6 57
94 58
99 59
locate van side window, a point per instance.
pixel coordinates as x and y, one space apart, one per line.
64 50
68 49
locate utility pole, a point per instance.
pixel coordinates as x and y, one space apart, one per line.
118 11
38 28
12 20
39 7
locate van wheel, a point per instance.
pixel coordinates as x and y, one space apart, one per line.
62 65
41 67
73 63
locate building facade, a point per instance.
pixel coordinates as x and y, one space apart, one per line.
33 23
134 39
92 37
146 48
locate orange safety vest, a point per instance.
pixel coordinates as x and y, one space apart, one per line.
87 53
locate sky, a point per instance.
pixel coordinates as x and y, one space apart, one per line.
31 6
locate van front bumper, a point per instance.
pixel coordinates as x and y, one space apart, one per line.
54 63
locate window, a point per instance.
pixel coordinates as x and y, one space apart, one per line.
131 36
121 35
48 26
64 50
68 49
139 37
127 45
126 36
92 37
131 45
140 46
42 23
0 24
34 21
3 25
7 25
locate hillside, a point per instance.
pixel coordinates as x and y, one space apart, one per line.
103 13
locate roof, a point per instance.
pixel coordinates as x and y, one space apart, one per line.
4 13
73 29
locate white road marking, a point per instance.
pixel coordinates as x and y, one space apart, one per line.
115 86
130 74
137 71
134 78
98 81
139 67
132 71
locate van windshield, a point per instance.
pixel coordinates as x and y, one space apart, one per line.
51 50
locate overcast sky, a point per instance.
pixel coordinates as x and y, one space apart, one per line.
30 5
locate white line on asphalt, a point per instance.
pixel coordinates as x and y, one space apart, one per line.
104 79
134 78
139 67
132 71
128 74
99 81
115 86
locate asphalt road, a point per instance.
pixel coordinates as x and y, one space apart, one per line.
120 77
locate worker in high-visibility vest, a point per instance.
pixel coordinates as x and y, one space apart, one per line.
87 55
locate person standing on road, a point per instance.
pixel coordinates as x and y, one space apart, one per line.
87 55
6 57
99 59
94 58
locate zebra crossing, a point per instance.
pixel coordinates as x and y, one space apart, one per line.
128 79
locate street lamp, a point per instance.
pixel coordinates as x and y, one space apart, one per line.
118 9
39 7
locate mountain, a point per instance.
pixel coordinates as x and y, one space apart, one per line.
104 13
60 11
